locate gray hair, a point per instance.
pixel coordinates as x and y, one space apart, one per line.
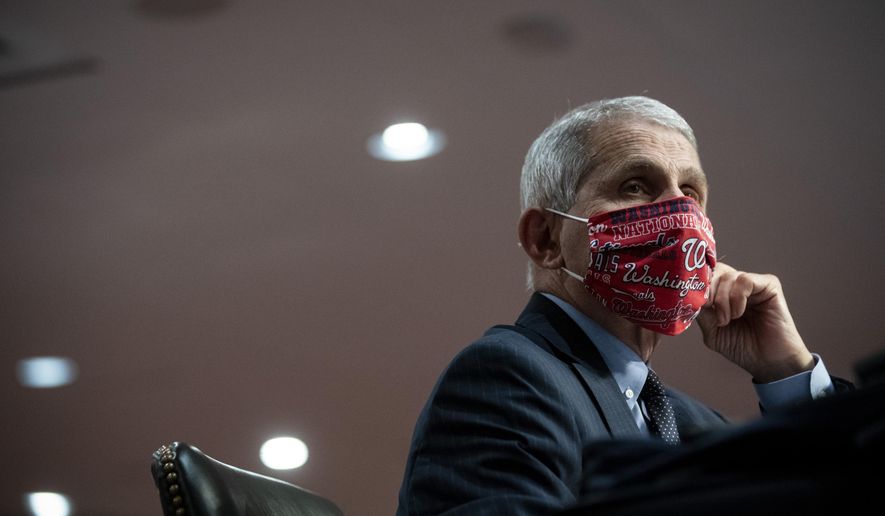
561 156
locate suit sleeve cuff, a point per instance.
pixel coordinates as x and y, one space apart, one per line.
795 389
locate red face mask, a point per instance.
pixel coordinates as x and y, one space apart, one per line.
651 264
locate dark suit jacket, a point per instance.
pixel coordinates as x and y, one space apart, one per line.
509 426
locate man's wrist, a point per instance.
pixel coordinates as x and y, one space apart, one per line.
798 388
769 373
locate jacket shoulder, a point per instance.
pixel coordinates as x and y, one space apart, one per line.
501 346
499 432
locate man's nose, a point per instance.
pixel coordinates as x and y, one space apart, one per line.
672 191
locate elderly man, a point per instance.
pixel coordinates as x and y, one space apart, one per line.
621 253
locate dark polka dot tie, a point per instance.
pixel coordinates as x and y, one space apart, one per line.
660 413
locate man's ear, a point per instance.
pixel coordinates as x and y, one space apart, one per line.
539 238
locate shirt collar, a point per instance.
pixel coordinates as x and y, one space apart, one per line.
628 370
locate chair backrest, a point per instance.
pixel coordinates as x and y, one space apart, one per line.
193 484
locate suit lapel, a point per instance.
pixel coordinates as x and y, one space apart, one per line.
571 344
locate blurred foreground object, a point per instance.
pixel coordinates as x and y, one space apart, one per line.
822 457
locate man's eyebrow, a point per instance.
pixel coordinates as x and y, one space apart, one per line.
692 174
695 175
627 165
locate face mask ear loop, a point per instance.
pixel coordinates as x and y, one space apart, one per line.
572 274
567 215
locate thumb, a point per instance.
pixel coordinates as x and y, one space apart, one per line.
709 317
708 320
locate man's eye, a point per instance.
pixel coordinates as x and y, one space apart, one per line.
633 188
691 192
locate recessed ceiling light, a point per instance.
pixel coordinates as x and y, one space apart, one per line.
284 453
46 372
538 33
406 142
47 504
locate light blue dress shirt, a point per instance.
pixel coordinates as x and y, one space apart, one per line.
630 372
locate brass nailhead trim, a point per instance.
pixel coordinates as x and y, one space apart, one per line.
167 459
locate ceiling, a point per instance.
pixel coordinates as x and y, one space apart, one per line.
188 211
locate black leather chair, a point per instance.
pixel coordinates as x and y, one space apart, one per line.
193 484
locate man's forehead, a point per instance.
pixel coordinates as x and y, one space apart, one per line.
636 143
636 133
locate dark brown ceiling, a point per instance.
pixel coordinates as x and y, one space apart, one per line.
191 215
